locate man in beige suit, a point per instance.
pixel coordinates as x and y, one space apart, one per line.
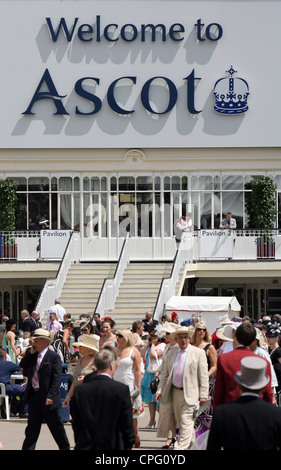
184 381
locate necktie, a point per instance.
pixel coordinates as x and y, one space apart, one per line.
35 376
178 375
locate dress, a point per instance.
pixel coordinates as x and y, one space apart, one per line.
146 393
103 342
7 346
203 421
125 374
78 370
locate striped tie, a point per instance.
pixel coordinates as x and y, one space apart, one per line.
35 376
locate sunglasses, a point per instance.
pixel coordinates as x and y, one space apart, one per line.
85 329
119 336
201 329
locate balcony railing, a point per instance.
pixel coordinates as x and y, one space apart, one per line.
248 244
206 245
19 245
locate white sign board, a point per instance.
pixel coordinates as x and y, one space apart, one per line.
54 243
216 243
119 74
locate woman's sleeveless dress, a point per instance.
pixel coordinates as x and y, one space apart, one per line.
125 374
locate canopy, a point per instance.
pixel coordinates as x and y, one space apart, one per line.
210 308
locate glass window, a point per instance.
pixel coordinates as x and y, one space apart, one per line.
95 183
157 183
76 183
206 182
126 183
104 183
184 183
113 184
38 184
38 206
65 212
194 182
21 183
176 183
21 213
167 184
86 184
233 202
65 183
54 184
232 182
144 183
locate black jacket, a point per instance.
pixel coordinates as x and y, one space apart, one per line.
49 375
102 416
249 423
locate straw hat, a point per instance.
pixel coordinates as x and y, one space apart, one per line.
252 374
225 333
181 330
40 333
169 327
88 341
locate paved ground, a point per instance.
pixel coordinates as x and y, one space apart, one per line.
12 435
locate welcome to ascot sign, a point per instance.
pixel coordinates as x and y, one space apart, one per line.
133 74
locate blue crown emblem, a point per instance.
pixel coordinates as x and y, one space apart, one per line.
231 94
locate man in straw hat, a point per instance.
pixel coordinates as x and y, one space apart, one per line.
43 368
229 363
248 423
184 381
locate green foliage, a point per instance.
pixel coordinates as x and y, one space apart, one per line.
8 201
261 203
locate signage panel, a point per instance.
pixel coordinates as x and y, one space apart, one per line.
80 74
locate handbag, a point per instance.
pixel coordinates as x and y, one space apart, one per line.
154 385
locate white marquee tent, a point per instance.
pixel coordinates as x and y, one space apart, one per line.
210 308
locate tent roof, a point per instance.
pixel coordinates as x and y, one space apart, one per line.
203 304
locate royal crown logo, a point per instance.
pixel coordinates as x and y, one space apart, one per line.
231 94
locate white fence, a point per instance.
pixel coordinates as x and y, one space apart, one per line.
110 288
53 287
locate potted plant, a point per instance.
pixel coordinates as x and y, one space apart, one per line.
8 201
261 209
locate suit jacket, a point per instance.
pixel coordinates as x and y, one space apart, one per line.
28 325
195 379
49 375
102 415
226 388
248 423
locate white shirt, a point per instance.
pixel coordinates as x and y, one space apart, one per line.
58 310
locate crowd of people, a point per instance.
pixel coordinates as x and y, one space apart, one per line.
184 373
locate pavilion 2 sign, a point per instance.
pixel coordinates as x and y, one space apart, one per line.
132 74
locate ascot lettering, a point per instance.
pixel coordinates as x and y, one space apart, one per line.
53 95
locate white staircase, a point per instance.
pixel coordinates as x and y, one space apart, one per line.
82 286
138 291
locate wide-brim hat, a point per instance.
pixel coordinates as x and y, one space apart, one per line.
43 220
40 333
259 335
252 374
88 341
183 330
169 327
225 333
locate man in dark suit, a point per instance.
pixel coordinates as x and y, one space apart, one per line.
43 368
248 423
102 416
228 364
